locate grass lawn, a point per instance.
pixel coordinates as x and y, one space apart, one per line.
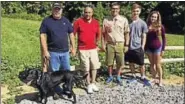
174 40
20 41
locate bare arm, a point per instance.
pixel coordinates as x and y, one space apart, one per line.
127 38
103 41
72 42
98 38
44 52
143 40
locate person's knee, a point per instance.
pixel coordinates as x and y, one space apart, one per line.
142 67
120 66
93 71
158 66
152 65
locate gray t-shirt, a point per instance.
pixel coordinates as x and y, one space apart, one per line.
137 28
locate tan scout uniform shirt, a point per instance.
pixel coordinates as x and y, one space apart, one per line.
119 26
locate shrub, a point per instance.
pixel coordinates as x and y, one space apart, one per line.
24 15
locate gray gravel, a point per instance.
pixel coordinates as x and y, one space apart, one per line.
133 93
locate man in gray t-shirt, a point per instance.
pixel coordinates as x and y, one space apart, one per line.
138 30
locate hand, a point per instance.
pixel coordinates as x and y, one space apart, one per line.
103 48
108 29
73 52
162 53
46 55
126 49
98 49
44 69
143 47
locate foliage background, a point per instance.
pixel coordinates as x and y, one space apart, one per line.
172 12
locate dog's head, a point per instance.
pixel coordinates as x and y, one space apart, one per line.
29 76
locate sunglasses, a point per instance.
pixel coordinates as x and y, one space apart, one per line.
136 11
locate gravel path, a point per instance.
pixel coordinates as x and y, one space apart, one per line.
133 93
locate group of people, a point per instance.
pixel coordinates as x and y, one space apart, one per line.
118 39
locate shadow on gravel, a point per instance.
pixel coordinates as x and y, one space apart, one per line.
34 98
28 96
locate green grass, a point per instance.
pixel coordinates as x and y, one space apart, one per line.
20 41
174 40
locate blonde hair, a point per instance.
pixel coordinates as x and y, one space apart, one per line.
158 23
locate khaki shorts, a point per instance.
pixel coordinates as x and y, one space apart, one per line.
115 52
89 59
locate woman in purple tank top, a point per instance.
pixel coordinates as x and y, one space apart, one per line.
155 45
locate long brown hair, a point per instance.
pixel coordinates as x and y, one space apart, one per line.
158 24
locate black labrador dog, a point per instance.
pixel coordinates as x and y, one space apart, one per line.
46 82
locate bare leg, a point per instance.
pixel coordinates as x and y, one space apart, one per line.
88 78
152 65
142 71
94 72
132 68
119 70
110 78
159 68
110 68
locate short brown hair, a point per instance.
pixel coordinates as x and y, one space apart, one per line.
135 6
115 4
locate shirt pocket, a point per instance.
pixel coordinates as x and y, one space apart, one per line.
119 27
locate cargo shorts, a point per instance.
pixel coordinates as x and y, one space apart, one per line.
115 52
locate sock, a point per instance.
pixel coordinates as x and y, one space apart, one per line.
134 75
142 77
118 78
111 76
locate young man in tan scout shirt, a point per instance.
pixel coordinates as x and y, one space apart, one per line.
115 35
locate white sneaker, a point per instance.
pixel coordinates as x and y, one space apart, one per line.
89 89
94 87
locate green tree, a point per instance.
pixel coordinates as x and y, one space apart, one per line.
9 7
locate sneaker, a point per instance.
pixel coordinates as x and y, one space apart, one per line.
89 89
119 81
110 79
160 85
132 80
146 82
56 96
94 87
152 82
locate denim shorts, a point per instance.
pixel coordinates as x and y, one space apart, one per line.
59 61
155 51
